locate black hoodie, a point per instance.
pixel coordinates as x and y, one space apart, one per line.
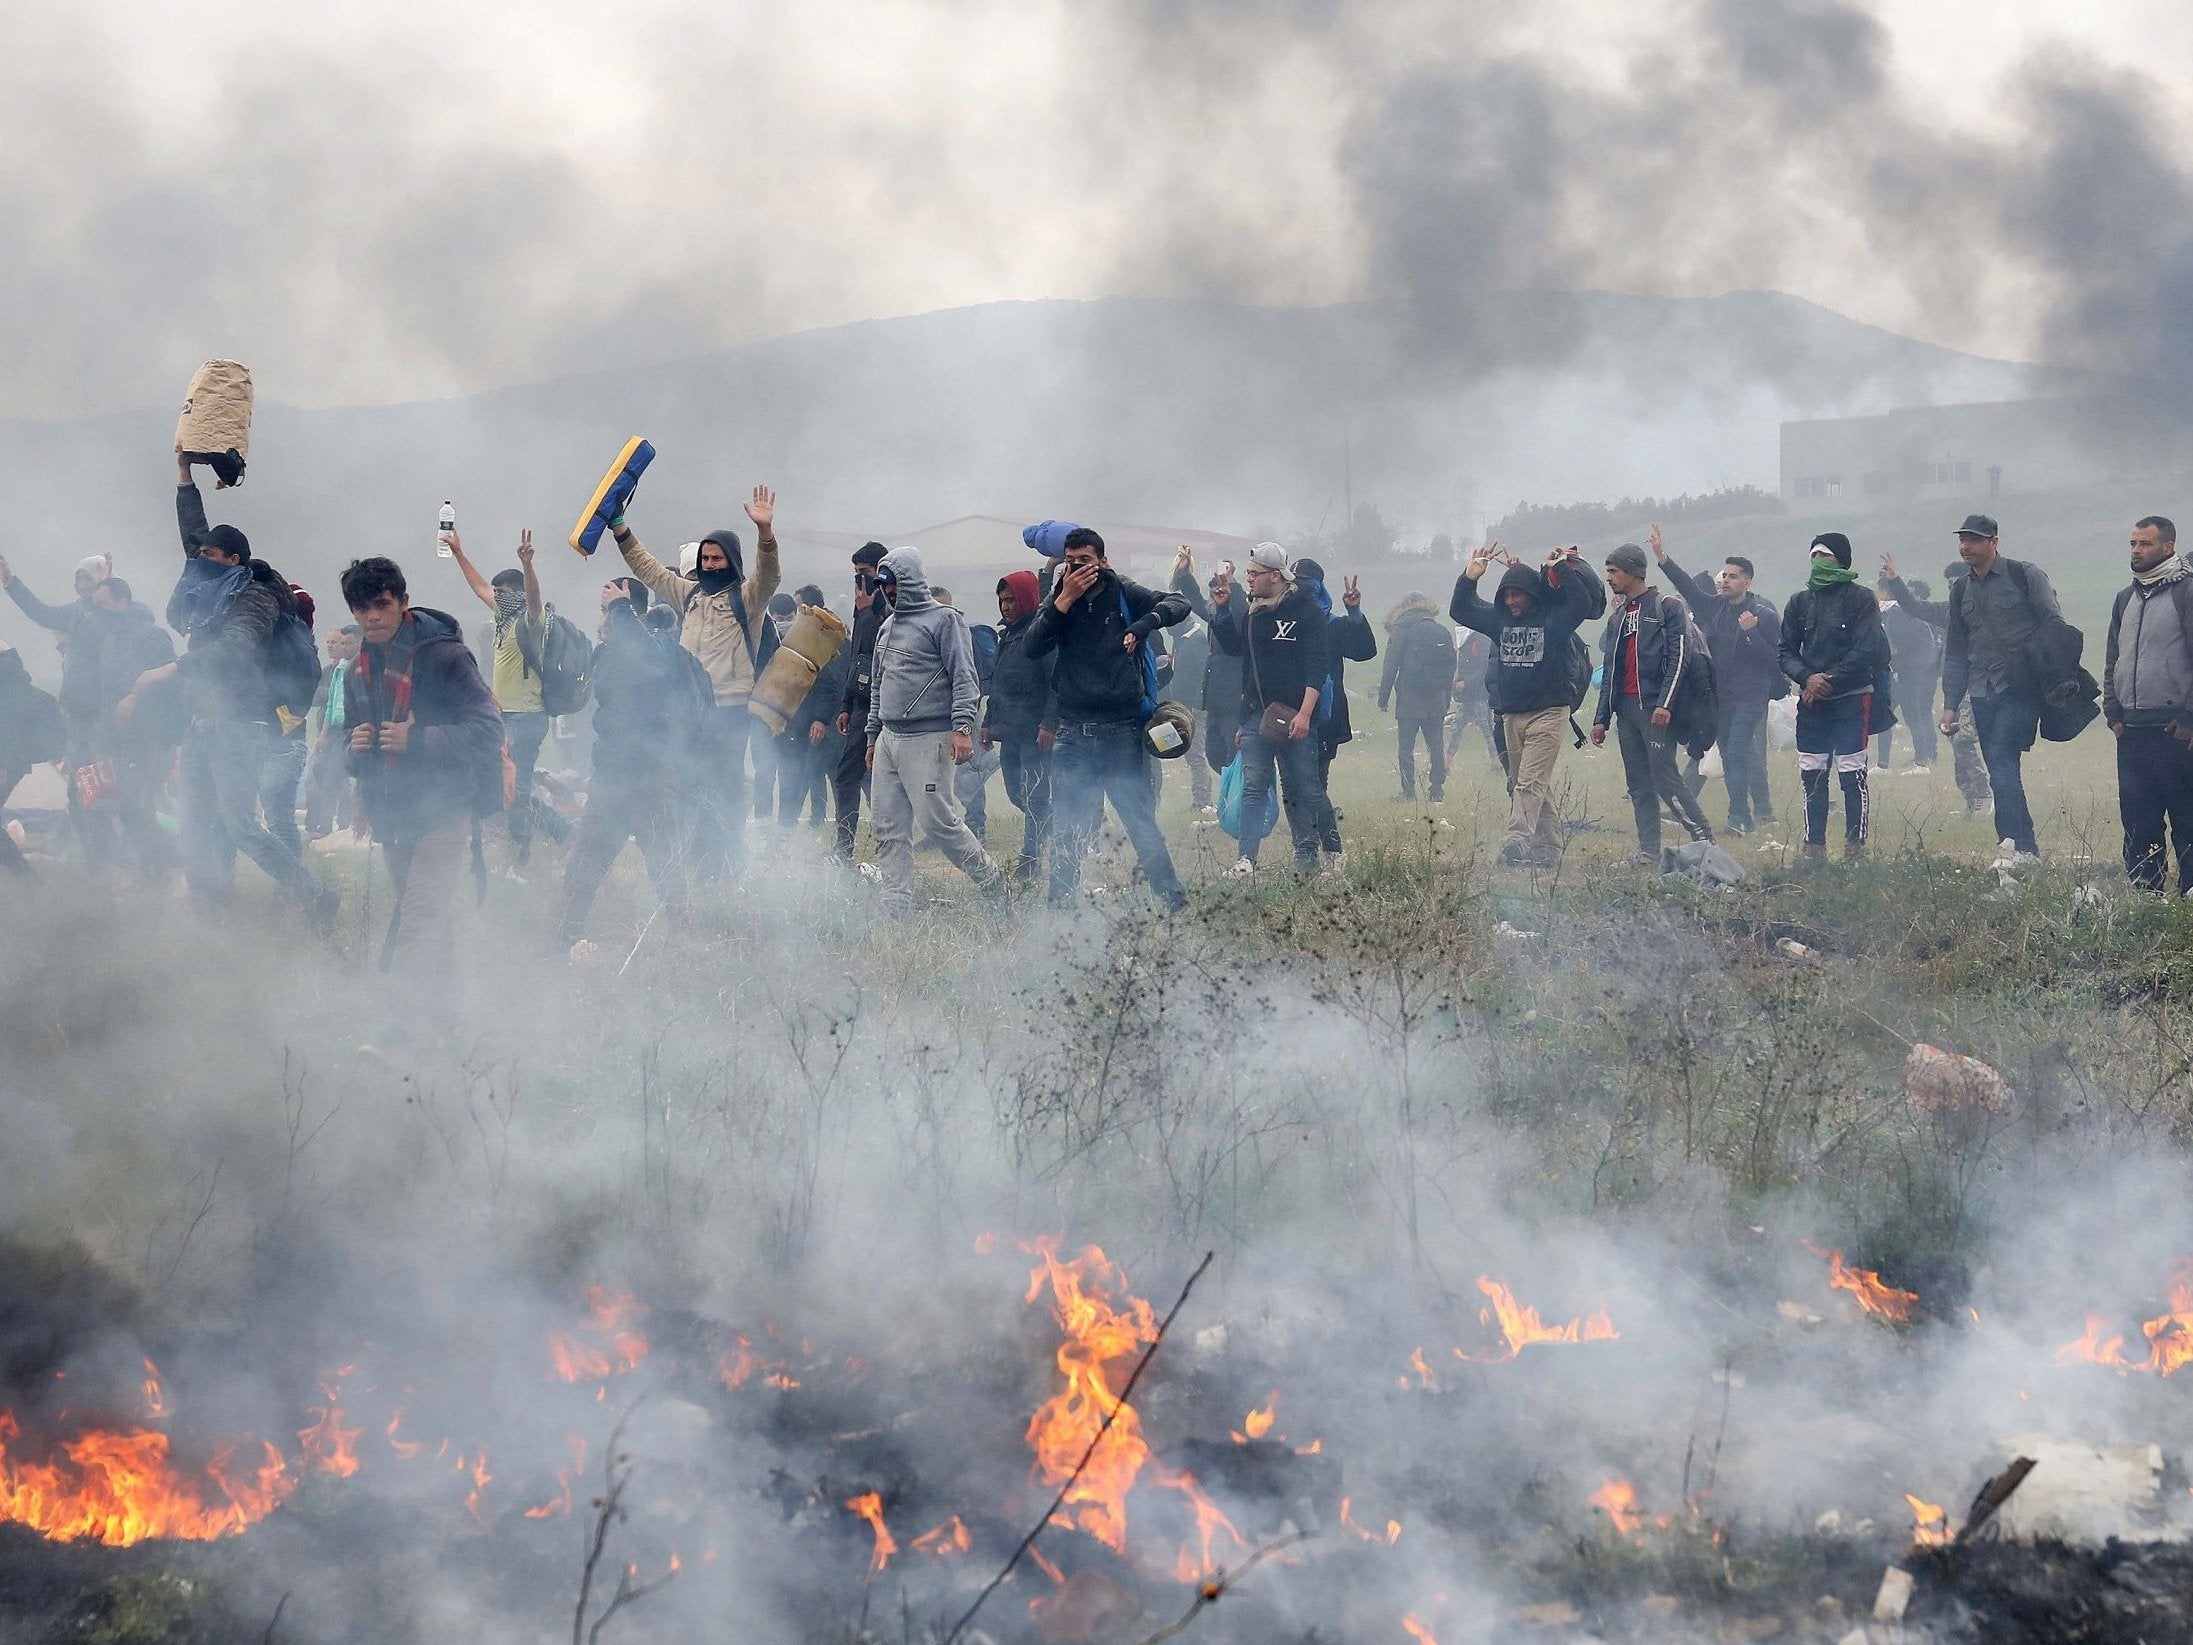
453 762
1529 668
1285 649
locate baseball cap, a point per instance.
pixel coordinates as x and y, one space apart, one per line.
1977 525
1268 557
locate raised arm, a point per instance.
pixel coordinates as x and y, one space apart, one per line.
482 590
533 605
44 615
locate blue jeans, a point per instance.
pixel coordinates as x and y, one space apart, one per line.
1298 768
1093 763
221 767
2007 724
1743 741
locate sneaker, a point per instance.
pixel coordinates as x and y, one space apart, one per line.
583 952
1439 796
1918 770
1334 865
870 872
2007 855
1206 810
1735 827
1642 859
511 874
1242 868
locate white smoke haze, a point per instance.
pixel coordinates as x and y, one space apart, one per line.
787 1133
1464 250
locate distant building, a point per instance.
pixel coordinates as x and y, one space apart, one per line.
1973 454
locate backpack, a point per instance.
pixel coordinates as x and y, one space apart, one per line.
1427 660
1581 669
2070 696
1696 707
690 692
565 665
292 664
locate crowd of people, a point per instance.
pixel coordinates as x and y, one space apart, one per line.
1076 698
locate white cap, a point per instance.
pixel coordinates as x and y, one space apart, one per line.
1268 557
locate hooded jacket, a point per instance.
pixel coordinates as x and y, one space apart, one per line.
453 761
1220 686
1285 649
1747 666
1528 669
1095 679
1416 640
1837 632
117 647
2148 679
70 622
713 629
1020 685
1348 638
641 698
925 659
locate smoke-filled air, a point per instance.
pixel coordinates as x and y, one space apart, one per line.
1262 822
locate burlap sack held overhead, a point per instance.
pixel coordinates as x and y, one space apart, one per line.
215 428
808 647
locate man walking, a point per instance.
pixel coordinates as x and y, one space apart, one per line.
1995 615
1834 651
1420 673
1017 721
227 605
1644 652
1284 639
1964 742
1744 635
2147 699
650 714
1219 725
1915 660
725 623
1529 627
513 597
425 744
1096 623
921 725
850 775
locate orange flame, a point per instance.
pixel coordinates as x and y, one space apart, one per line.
1363 1533
1422 1367
1259 1423
120 1487
1393 1532
869 1506
2169 1335
328 1445
405 1449
1099 1336
1210 1521
1875 1297
947 1539
1617 1499
480 1480
1520 1327
565 1477
1417 1631
156 1400
617 1346
738 1364
1929 1524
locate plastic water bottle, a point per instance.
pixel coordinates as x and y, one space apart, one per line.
448 524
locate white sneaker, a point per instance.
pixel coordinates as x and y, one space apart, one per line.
1335 863
1918 770
1206 810
1242 869
583 952
2007 855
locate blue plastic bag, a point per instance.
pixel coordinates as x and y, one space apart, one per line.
1231 782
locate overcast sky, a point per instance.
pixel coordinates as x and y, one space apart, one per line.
369 200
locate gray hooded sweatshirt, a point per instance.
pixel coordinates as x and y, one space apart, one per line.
925 659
